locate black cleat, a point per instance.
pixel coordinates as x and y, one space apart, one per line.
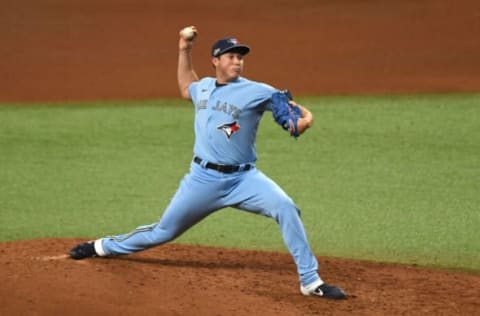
324 290
83 250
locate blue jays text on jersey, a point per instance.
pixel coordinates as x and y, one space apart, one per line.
224 107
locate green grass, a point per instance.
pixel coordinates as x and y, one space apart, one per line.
389 178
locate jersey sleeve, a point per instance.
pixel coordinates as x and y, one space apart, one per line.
197 87
266 94
192 90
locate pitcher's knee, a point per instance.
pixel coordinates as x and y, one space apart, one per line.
162 235
292 211
285 208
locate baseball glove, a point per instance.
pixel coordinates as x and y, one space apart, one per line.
284 113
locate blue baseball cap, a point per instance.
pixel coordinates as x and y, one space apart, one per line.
228 44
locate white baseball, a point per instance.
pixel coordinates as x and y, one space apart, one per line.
188 33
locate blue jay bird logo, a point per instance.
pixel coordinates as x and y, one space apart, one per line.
229 129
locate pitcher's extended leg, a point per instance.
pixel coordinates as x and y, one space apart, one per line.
258 194
195 199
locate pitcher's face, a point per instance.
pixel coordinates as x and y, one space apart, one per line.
229 66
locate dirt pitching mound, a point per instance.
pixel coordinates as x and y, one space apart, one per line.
38 278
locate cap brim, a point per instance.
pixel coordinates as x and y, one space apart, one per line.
242 49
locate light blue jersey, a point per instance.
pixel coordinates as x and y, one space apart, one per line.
227 118
223 174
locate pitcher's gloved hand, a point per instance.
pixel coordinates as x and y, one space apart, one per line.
285 113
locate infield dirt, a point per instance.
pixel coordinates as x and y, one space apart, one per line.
39 279
56 50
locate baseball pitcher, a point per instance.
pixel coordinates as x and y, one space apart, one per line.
228 109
